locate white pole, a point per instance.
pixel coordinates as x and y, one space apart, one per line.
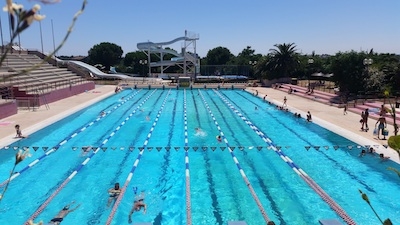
41 36
54 43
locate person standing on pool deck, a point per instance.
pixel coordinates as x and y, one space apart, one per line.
114 193
309 117
381 126
364 120
284 101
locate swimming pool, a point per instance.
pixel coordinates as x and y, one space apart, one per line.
155 119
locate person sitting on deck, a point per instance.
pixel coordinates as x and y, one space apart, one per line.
62 213
18 131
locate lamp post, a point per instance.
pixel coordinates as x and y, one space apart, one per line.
54 43
1 34
252 64
310 62
143 62
367 63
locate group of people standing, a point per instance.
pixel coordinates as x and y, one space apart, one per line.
380 125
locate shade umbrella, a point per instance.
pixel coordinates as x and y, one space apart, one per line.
319 74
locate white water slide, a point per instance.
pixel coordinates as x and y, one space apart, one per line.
152 47
98 73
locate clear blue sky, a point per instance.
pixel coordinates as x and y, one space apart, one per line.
323 26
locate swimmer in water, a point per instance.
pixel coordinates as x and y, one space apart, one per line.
61 214
113 194
85 150
200 132
219 139
138 204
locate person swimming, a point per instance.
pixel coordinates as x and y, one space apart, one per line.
113 193
138 204
200 132
85 150
63 213
219 138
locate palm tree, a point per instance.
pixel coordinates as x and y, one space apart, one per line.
283 61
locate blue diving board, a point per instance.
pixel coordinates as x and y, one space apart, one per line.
237 223
330 222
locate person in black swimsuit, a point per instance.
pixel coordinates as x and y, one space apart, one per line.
63 213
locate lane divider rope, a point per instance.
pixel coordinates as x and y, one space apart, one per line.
336 207
78 168
55 148
135 164
187 171
248 184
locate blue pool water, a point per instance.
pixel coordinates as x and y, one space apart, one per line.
218 191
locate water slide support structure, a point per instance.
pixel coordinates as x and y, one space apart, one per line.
187 60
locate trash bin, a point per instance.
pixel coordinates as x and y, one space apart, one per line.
397 105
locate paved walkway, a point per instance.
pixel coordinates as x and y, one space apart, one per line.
326 116
31 121
331 118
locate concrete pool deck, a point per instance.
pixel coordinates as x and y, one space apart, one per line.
332 118
326 116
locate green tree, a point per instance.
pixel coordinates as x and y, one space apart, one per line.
389 64
219 56
283 61
261 68
105 53
132 62
248 58
349 71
